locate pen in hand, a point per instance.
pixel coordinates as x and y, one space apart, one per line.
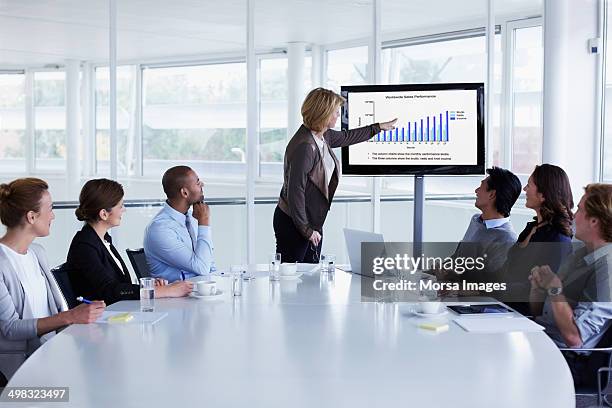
83 300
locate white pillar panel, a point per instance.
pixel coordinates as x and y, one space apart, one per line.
296 51
112 72
252 130
88 130
73 128
30 148
318 64
570 89
490 36
375 75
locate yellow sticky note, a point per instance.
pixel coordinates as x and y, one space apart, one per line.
121 318
435 327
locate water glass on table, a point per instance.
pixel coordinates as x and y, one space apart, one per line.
237 272
147 294
274 266
327 263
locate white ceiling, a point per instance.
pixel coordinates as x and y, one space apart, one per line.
39 32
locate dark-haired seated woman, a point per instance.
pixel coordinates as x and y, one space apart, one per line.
547 239
32 307
95 268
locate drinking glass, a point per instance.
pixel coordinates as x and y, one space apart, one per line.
274 266
147 294
237 272
327 263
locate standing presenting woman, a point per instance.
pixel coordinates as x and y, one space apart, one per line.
311 175
95 268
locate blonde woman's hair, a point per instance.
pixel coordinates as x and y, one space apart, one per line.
319 106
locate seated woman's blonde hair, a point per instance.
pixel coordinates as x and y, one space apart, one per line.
319 106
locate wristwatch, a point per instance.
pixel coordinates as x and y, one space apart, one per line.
555 291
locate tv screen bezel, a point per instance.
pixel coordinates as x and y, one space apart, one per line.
419 170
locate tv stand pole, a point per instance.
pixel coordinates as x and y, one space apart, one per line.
419 207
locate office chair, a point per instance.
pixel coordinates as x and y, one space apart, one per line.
139 262
60 274
598 364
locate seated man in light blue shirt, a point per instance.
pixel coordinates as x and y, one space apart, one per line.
178 244
575 305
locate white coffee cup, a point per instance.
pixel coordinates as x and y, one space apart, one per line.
430 307
288 269
205 288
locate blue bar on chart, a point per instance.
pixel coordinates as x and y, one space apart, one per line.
421 130
428 128
447 129
408 131
434 128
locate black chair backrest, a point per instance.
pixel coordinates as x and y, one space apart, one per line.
61 276
139 262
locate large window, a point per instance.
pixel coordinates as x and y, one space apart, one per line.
347 66
195 115
526 93
127 127
50 121
12 123
273 94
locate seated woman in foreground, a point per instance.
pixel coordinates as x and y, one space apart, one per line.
32 307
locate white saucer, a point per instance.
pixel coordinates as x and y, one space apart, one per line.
207 297
441 313
291 277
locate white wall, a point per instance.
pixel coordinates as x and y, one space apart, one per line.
570 90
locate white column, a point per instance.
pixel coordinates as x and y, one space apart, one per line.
490 36
30 147
88 130
375 76
252 130
570 89
73 129
112 71
318 65
296 51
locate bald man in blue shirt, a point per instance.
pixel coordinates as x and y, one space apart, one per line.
178 242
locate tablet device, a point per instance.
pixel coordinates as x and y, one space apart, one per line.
479 309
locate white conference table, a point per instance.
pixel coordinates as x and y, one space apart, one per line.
303 343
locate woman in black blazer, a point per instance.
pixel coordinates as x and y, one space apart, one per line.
95 268
547 239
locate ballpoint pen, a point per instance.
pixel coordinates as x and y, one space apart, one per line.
83 300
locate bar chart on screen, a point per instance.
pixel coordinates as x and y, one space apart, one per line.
433 127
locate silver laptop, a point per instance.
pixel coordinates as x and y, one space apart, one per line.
353 239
